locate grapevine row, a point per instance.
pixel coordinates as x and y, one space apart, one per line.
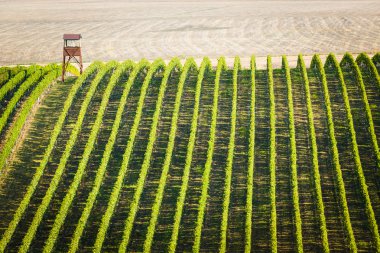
314 149
27 84
272 161
349 60
105 158
147 157
8 73
210 153
39 171
4 75
376 59
317 63
73 70
168 155
66 202
230 158
359 169
17 96
363 58
21 73
251 161
16 128
158 64
293 159
11 84
205 65
62 165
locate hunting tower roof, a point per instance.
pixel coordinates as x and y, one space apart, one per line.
72 36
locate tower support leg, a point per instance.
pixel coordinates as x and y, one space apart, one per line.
63 68
81 64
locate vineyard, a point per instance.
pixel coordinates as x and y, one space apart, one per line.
175 157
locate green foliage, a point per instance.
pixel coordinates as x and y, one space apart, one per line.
314 150
174 63
4 75
157 65
272 155
251 160
66 203
11 141
376 59
348 60
210 153
31 80
293 159
205 66
20 74
62 163
33 68
317 64
73 70
331 60
363 59
40 170
190 63
16 128
230 158
11 84
15 70
105 158
50 67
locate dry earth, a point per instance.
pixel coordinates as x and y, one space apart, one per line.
31 30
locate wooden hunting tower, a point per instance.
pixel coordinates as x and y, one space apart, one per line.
71 51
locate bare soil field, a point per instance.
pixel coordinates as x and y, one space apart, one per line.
31 30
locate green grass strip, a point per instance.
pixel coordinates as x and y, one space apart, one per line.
314 150
205 65
68 199
210 152
349 60
272 161
230 159
316 63
148 154
105 158
17 126
293 159
251 161
158 64
190 63
62 164
355 150
39 171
